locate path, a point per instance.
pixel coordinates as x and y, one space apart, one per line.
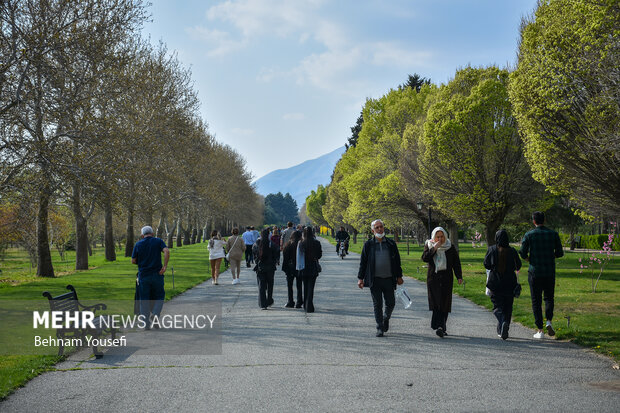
285 360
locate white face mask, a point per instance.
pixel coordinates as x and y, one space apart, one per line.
380 235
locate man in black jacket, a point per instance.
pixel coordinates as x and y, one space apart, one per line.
342 235
380 270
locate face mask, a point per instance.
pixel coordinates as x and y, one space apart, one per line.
380 235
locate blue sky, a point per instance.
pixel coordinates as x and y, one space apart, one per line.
282 81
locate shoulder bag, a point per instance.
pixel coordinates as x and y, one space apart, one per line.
233 246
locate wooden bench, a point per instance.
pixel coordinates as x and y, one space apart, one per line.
69 302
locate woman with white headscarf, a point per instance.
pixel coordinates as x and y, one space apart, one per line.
443 261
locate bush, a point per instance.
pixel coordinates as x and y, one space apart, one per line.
591 242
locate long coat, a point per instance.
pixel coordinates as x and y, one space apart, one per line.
439 285
236 247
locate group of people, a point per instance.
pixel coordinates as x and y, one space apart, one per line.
301 253
380 270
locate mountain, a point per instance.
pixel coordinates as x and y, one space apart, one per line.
300 179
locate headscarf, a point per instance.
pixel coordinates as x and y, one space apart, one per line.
441 263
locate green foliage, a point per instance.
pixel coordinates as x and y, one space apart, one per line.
471 160
314 205
567 101
279 209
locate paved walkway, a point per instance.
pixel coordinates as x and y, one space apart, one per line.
285 360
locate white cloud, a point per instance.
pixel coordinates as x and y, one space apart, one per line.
221 42
390 54
293 116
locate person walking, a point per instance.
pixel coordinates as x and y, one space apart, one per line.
147 256
286 235
308 253
266 255
504 263
248 239
540 247
443 261
276 239
216 254
235 247
289 264
381 271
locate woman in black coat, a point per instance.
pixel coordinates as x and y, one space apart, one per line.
309 252
289 262
443 261
503 261
267 255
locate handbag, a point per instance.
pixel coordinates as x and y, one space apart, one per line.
517 291
318 267
231 248
493 280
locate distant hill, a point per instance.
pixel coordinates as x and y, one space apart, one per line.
300 179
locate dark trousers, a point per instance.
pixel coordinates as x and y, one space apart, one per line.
152 294
502 309
382 288
265 288
309 283
248 255
538 287
439 319
290 279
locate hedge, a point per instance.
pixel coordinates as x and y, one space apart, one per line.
592 242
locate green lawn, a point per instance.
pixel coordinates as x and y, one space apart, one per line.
594 317
107 281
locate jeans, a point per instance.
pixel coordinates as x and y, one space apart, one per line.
382 288
248 255
290 279
309 283
502 309
265 288
152 294
538 287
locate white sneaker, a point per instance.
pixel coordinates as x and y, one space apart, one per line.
539 335
550 329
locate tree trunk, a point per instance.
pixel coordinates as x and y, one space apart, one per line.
453 230
396 236
205 233
129 241
186 233
354 236
170 238
44 256
194 234
110 252
81 231
490 229
179 232
160 226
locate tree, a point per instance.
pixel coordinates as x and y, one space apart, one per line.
355 131
314 206
415 82
471 158
567 100
280 208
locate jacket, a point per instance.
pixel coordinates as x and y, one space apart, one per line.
367 262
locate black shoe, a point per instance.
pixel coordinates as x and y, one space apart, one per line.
386 325
263 308
379 333
299 305
247 265
440 332
270 303
504 330
289 305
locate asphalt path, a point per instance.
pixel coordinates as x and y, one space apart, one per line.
285 360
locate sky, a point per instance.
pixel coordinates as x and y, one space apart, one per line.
283 81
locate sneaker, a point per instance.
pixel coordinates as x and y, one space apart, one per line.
379 333
439 332
504 334
550 329
539 335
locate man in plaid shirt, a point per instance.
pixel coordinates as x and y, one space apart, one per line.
540 247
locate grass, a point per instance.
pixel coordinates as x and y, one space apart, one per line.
593 316
105 281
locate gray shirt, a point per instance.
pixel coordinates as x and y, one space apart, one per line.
383 267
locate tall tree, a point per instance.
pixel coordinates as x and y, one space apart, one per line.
567 100
314 205
472 162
